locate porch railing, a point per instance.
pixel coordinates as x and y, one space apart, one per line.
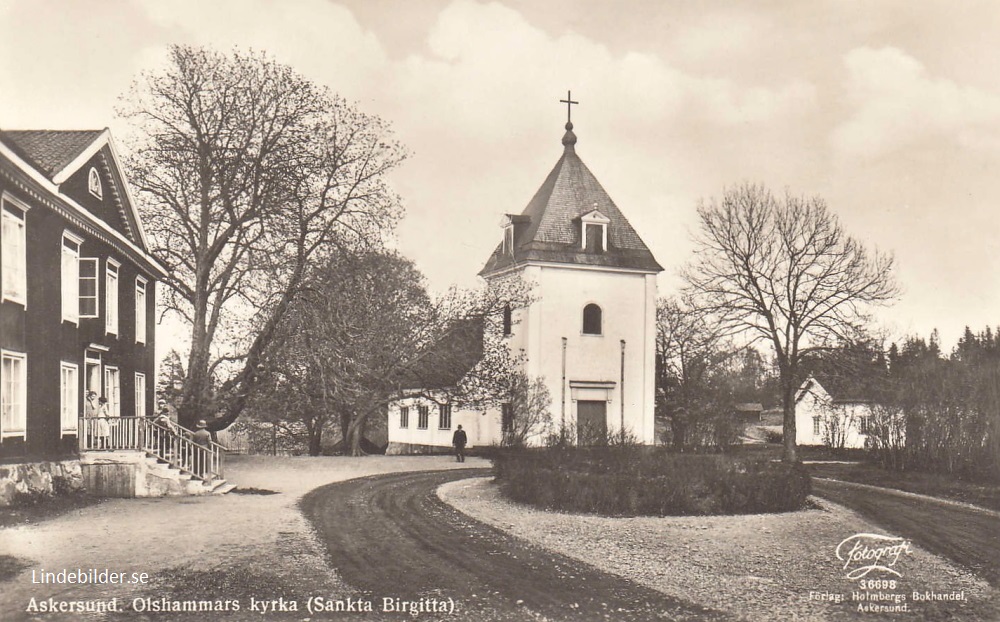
173 446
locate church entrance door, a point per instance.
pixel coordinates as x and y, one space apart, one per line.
591 422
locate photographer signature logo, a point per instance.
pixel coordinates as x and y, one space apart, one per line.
863 553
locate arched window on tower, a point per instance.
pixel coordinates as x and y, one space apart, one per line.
94 183
592 320
507 320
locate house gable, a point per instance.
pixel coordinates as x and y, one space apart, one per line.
110 203
66 159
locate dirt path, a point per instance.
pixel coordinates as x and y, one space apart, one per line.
392 536
230 547
965 535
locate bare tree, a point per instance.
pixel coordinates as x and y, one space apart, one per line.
247 173
785 272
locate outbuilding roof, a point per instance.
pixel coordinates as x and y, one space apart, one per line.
446 361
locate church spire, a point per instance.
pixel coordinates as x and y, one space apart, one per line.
569 138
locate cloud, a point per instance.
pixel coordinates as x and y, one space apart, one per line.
486 62
897 105
322 40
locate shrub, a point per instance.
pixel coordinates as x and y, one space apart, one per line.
648 481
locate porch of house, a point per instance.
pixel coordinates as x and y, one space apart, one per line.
138 457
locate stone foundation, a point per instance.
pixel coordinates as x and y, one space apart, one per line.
129 473
38 479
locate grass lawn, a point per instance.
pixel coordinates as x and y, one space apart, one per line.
984 495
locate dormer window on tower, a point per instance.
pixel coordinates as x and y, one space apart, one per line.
94 183
513 229
508 239
594 232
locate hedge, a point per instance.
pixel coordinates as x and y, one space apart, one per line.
646 481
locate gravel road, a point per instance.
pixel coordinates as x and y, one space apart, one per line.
392 536
754 567
968 536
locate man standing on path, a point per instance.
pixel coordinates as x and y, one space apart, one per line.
459 439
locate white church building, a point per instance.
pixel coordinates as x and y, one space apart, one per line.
588 332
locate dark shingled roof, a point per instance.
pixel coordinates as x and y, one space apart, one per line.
49 151
448 360
841 389
552 231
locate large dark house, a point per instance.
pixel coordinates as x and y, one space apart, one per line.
78 291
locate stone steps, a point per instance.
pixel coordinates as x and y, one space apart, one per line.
151 476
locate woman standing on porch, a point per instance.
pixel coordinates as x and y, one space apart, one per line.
103 423
97 429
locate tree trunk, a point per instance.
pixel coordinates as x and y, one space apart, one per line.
197 385
242 385
345 426
677 429
788 423
315 440
354 432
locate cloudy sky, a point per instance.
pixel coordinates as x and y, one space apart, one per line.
890 110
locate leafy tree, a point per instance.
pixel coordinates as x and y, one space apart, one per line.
363 330
335 356
783 271
468 340
170 384
247 175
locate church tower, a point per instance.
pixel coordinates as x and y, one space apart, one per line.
590 328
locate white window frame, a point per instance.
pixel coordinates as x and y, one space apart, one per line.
423 416
93 358
594 219
97 287
94 184
113 391
22 395
442 408
18 292
112 277
404 417
140 394
69 398
70 282
141 284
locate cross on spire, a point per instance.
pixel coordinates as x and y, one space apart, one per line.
569 106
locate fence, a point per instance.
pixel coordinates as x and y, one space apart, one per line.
174 446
